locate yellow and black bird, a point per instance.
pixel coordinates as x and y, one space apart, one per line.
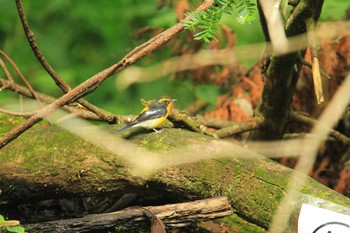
153 115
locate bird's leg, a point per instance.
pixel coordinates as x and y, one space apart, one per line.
158 131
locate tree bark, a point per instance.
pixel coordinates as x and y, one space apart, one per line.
282 76
49 162
136 219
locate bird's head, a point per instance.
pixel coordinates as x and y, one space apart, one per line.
166 102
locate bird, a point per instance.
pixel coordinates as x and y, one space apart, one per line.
153 115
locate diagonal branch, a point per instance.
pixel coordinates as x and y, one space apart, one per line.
30 36
104 115
6 71
294 116
72 95
6 84
13 64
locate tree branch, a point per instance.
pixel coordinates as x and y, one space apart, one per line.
6 71
190 122
309 65
13 64
316 75
21 114
173 215
238 128
294 116
30 37
104 115
281 77
72 95
82 112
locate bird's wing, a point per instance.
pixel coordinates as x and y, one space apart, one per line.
145 115
149 115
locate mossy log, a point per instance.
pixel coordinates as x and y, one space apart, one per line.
50 162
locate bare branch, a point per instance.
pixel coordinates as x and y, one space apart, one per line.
316 75
190 122
72 95
20 114
172 215
309 65
238 128
6 71
294 116
13 64
30 36
83 113
106 116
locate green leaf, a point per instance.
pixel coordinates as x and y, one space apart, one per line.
207 21
17 229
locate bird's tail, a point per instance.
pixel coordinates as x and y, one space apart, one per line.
125 127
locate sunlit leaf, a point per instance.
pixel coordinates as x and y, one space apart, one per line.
207 21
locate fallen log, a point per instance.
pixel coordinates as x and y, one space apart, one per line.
49 162
135 219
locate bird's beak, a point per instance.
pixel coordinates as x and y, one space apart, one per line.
173 100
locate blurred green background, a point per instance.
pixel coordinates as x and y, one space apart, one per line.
81 38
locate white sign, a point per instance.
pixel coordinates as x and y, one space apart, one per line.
317 220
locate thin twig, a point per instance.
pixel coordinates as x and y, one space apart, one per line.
98 78
20 114
106 116
13 64
310 26
30 37
83 113
6 71
229 128
212 122
238 128
294 116
309 65
190 122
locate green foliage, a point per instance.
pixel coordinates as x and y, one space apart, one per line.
15 229
334 10
245 11
81 38
206 21
207 92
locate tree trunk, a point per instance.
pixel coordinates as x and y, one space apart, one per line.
282 75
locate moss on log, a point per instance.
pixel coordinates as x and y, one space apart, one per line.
50 161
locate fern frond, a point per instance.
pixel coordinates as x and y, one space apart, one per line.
246 11
207 20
